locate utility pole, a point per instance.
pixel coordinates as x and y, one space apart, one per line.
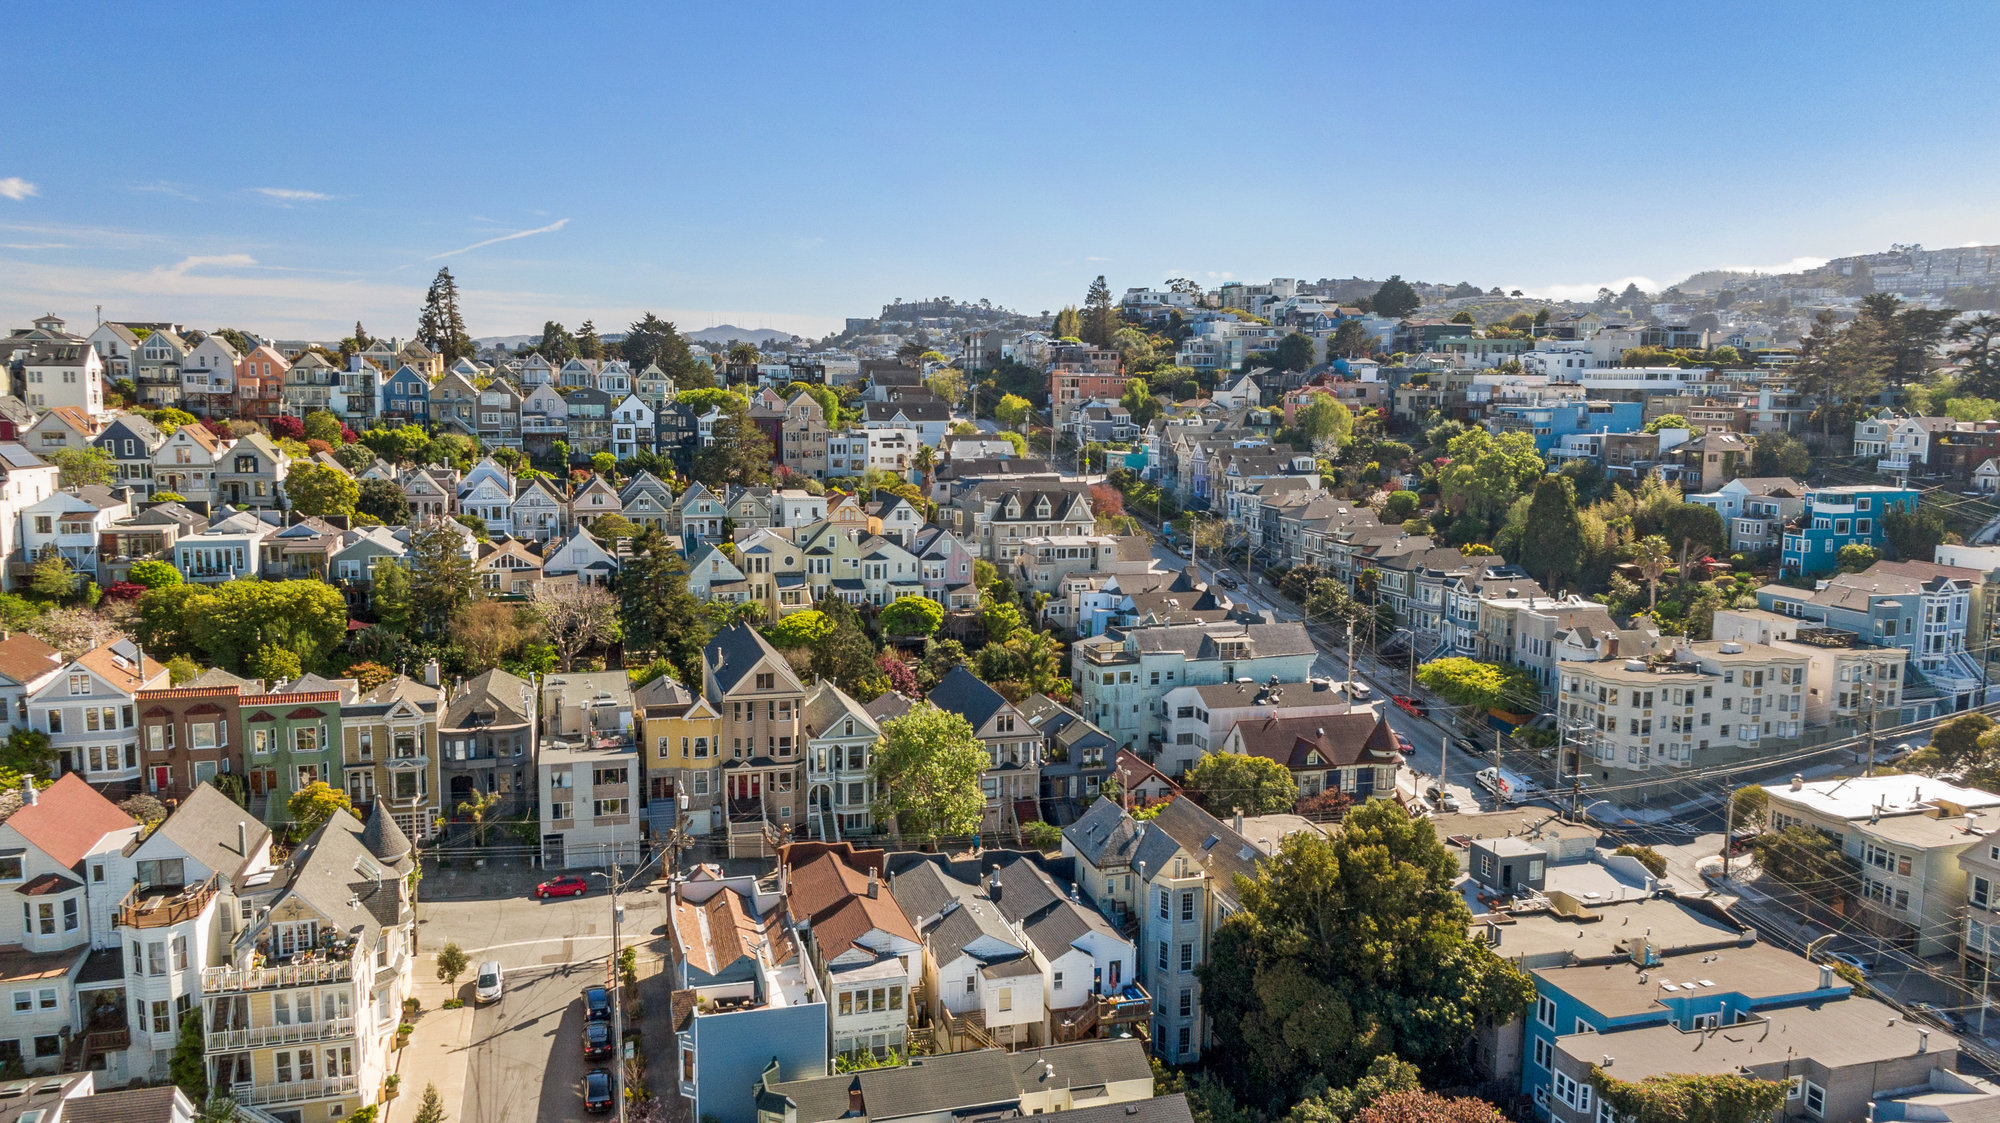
617 995
1728 832
1350 649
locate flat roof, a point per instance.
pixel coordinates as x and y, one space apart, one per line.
1836 1034
1859 797
1623 989
1605 932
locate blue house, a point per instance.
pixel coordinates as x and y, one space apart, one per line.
1708 990
1840 516
404 396
1550 422
747 1006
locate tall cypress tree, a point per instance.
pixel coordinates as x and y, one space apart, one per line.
1098 321
440 325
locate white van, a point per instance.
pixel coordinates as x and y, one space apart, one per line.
488 987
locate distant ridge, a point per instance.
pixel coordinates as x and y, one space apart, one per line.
730 333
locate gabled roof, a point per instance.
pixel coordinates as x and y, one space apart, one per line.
961 692
735 650
1105 836
204 828
23 658
67 819
1360 737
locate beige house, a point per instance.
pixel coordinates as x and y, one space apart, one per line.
758 695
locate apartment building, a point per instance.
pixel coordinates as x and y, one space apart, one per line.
1199 719
89 711
680 741
1100 1082
1920 607
1120 678
1712 702
763 767
486 744
587 769
1354 753
1848 684
866 955
389 750
1834 517
840 738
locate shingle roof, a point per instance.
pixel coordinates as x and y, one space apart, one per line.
961 692
959 1083
735 650
68 818
204 828
23 658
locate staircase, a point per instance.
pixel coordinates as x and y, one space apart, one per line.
661 816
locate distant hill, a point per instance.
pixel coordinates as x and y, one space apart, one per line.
730 333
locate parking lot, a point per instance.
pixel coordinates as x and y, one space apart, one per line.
519 1059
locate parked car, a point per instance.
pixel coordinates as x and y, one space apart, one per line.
1441 799
596 1039
487 989
1937 1016
597 1091
1467 745
1187 550
1866 967
597 1004
1408 705
568 885
1403 745
1227 580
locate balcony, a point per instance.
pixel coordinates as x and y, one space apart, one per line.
231 1040
220 980
295 1091
144 909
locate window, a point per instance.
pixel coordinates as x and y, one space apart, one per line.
69 914
1543 1052
1165 896
10 867
1187 958
1545 1011
1163 955
180 951
604 807
1815 1098
1187 1002
1187 906
23 1002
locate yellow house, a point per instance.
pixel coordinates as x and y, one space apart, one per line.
680 735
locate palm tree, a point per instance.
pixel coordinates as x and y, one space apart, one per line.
925 461
1041 657
1653 555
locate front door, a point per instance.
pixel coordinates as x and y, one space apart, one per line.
162 775
263 781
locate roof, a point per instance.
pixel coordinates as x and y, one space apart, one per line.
834 896
119 662
955 1083
1105 836
332 875
1223 853
67 819
23 658
384 838
1622 989
493 697
961 692
737 648
204 828
953 915
1360 737
1832 1035
145 1105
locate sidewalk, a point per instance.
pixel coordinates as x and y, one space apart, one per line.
438 1052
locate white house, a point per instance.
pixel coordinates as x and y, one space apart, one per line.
631 423
227 549
24 481
210 368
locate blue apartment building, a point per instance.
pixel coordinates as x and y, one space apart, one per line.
1550 422
1840 516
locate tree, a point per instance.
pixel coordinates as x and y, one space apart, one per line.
1666 421
431 1110
1655 863
1347 948
656 342
557 345
926 770
656 609
153 574
1099 321
1399 506
488 631
799 630
948 384
1068 324
1703 1098
53 578
1653 555
737 453
1420 1106
442 580
1977 343
382 500
73 631
1914 533
27 752
1138 400
389 596
187 1067
1012 411
322 425
220 1108
311 806
1486 686
273 664
1487 473
1395 299
451 962
84 467
1295 351
1386 1075
1855 557
1325 421
182 670
1955 742
1351 340
1254 785
1041 835
313 489
1749 804
588 345
911 616
1552 542
1694 527
440 325
603 463
402 444
575 619
1807 860
1779 454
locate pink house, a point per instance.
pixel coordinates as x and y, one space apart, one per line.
260 382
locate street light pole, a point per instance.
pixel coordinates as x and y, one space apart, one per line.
617 997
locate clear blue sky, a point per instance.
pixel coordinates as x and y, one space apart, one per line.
293 168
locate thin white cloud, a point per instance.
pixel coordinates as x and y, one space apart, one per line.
34 245
291 195
166 187
226 260
1586 291
552 227
1795 265
16 188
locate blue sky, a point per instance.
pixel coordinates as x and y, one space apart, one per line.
292 169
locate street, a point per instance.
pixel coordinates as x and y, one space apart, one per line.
523 1057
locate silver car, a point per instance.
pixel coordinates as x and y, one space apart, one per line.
488 987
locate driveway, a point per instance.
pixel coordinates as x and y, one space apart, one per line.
520 1059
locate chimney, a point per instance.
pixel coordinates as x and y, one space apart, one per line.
28 790
993 886
874 884
1237 823
1798 782
854 1104
431 672
243 838
1923 1040
1825 976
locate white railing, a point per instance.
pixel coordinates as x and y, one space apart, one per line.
227 1040
214 979
295 1091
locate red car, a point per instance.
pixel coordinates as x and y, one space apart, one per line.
1409 705
568 885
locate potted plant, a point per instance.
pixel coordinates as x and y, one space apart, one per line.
389 1084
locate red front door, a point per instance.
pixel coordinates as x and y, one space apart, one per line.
161 776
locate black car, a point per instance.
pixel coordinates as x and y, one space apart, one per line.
597 1091
1226 580
597 1039
597 1001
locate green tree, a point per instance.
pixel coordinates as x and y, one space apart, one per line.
153 574
442 580
220 1108
1000 620
229 623
1697 1098
382 500
1977 351
588 345
799 630
389 595
1654 556
927 768
1399 506
1068 324
27 752
1351 340
1552 542
1749 804
1346 949
451 961
311 806
325 492
1486 686
1655 863
53 578
273 665
1254 785
1855 557
1041 835
1915 534
911 616
1139 401
322 425
656 610
187 1067
431 1109
1486 474
439 324
1325 421
1955 741
655 342
1099 320
182 670
1295 351
1395 299
1807 860
603 463
1780 454
1012 411
403 444
1386 1075
1666 421
1422 1106
737 453
84 467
